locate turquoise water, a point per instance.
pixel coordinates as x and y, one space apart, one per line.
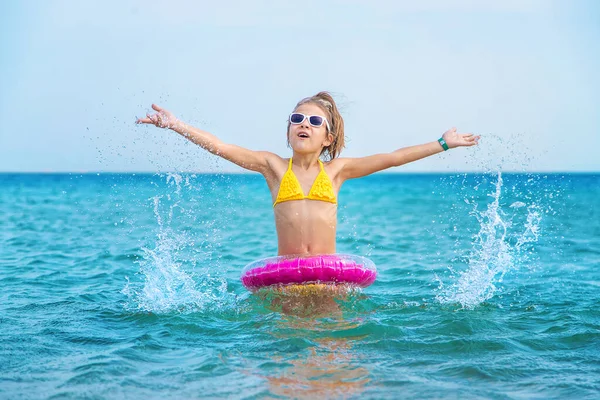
123 286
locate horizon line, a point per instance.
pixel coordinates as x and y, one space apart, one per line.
257 173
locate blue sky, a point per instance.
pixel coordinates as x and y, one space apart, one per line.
523 74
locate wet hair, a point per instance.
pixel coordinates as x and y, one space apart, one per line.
325 102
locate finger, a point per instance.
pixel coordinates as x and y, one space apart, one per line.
156 108
153 119
467 135
143 121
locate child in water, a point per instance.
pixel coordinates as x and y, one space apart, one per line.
303 188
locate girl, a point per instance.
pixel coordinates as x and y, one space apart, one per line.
303 188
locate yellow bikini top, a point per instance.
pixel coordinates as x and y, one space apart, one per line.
290 189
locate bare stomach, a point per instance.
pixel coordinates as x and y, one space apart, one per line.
306 227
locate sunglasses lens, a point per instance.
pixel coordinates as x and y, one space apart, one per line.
296 118
315 120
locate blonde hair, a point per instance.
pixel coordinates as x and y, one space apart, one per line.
325 102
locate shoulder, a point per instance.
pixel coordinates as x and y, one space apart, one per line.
275 165
335 167
336 164
273 160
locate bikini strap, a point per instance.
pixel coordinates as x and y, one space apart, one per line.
290 164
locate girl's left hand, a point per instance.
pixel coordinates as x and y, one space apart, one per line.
455 139
161 119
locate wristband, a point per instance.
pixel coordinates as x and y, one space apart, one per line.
443 143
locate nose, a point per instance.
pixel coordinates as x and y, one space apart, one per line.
305 123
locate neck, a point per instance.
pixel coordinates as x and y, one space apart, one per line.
305 161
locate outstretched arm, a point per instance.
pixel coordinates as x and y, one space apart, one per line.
245 158
358 167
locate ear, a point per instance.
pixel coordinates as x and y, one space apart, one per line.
328 141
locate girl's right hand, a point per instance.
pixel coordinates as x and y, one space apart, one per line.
162 118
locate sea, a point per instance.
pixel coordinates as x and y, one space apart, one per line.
127 286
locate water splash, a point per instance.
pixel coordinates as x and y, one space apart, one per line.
499 247
177 275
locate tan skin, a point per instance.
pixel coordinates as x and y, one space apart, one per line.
305 227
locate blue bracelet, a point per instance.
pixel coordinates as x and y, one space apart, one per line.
443 143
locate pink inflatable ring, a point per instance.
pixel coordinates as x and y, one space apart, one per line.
299 270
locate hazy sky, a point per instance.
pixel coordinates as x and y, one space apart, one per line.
522 73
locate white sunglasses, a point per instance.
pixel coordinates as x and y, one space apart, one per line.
314 120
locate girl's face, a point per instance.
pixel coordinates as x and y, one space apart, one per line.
306 138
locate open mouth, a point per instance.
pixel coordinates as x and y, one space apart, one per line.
303 135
